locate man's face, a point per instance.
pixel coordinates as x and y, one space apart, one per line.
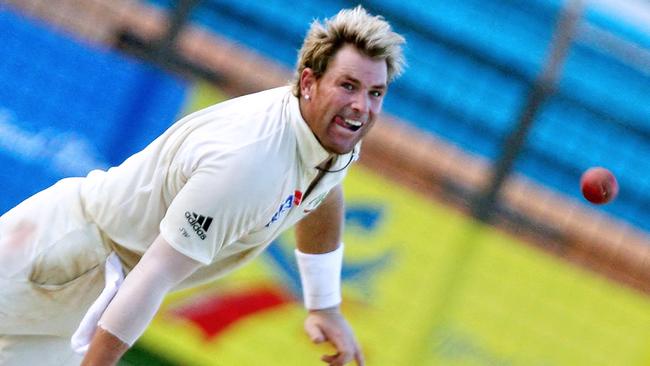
344 103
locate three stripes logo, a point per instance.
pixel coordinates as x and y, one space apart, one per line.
199 223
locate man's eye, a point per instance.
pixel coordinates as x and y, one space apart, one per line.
376 93
347 86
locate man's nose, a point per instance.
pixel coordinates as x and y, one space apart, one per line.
361 103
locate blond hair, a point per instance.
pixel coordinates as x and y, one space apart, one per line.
371 35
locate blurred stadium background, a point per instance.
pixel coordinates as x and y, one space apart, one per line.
468 240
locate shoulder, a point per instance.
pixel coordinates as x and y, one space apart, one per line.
243 130
250 104
246 119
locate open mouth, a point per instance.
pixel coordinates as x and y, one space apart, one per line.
350 124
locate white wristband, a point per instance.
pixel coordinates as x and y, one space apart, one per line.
320 275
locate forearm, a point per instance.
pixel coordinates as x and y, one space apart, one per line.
137 301
320 253
321 230
105 349
126 317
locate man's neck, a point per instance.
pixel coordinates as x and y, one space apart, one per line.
327 163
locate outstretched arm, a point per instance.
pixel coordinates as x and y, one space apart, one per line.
319 252
137 301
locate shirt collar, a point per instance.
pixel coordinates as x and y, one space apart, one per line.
311 151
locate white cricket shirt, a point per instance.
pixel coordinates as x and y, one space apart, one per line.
219 185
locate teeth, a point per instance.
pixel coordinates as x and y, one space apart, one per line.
353 122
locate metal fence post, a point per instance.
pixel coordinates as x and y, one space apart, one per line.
540 90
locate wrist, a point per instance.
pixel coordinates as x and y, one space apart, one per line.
320 276
332 310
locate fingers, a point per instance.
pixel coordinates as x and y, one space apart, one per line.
340 359
334 360
344 356
314 332
332 327
330 359
358 357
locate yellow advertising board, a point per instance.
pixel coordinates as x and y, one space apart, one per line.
423 285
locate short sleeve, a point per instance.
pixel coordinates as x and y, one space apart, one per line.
212 210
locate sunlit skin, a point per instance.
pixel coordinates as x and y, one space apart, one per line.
352 89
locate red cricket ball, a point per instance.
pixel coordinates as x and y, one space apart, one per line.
598 185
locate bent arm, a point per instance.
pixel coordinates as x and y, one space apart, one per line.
137 301
320 256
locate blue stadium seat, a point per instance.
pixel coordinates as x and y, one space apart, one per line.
471 64
68 107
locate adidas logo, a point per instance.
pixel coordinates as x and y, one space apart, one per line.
199 223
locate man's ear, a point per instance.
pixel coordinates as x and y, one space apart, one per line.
307 81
